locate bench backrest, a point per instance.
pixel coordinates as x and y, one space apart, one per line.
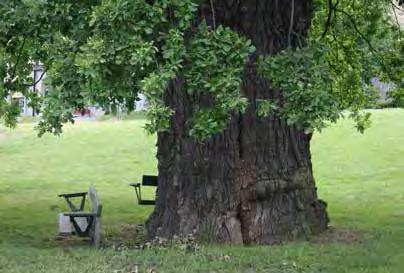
96 205
149 180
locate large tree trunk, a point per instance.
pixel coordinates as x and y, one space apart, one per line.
253 183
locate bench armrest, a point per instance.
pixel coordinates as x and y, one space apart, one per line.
76 194
135 184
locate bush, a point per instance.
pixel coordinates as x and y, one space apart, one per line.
398 97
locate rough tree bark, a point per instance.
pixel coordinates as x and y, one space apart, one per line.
252 184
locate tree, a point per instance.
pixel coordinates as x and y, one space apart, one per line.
236 89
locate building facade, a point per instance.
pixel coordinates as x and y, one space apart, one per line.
38 75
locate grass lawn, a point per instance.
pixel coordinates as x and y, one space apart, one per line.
360 176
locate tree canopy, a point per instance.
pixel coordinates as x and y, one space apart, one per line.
107 52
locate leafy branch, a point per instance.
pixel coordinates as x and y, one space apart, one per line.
331 11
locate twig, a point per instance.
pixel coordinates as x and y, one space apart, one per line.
328 24
292 18
372 49
395 16
397 7
356 28
331 13
18 59
213 14
35 83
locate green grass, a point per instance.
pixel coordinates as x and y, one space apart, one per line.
360 176
33 171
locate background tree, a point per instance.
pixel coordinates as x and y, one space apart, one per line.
236 89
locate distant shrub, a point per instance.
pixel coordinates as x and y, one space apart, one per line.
134 115
397 95
127 116
28 119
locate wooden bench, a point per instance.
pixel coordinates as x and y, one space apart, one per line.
92 217
149 181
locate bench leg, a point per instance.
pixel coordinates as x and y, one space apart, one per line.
96 232
138 194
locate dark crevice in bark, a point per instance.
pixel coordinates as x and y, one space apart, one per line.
252 184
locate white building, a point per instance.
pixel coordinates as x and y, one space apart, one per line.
37 86
141 104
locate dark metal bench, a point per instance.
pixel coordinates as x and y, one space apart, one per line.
93 227
147 180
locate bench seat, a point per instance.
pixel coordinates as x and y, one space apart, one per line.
80 213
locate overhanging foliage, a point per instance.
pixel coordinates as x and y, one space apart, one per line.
109 51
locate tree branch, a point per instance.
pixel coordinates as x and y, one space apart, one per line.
35 83
331 11
355 26
395 6
213 14
18 59
328 23
292 18
371 48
